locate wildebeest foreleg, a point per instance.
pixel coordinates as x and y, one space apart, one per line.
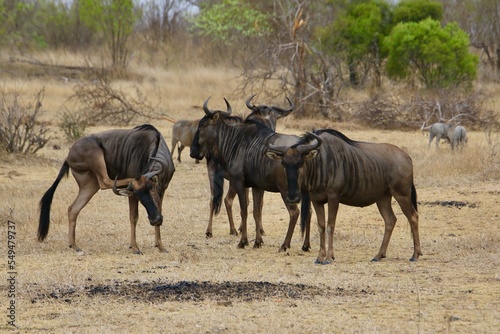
133 204
333 208
88 186
158 242
385 209
320 215
258 201
240 190
294 212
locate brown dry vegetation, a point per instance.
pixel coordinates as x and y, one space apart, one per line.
209 285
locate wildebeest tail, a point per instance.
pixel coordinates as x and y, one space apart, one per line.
218 191
414 196
46 201
305 213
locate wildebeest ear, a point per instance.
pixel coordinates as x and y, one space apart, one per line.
155 179
311 154
274 155
215 117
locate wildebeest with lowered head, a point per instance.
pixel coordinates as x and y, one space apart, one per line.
236 150
327 167
138 160
183 133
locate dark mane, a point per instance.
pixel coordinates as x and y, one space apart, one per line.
337 134
145 127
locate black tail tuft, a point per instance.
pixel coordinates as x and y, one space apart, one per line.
305 213
218 191
46 201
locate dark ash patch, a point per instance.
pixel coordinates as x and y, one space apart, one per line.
451 204
194 291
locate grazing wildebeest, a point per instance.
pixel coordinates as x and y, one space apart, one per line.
183 133
457 136
328 167
237 152
261 113
138 160
437 130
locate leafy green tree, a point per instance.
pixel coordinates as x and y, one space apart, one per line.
230 20
437 56
116 20
417 10
357 37
16 28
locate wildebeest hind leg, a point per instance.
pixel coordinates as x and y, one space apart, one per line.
412 215
228 202
88 186
385 209
98 167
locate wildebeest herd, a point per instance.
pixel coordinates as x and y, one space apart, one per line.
319 167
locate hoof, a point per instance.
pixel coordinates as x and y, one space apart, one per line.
283 248
306 248
375 260
208 235
233 232
242 244
325 262
135 251
258 245
413 259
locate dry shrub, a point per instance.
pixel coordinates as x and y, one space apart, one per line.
20 131
100 103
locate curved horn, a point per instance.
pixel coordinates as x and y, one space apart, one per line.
311 146
285 112
120 192
205 108
153 173
277 149
250 106
229 110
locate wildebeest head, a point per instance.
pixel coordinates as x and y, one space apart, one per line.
293 159
205 135
268 114
147 189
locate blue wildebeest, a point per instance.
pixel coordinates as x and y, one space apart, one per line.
138 160
183 133
327 167
236 150
267 115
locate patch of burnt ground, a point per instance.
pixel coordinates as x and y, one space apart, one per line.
450 204
193 291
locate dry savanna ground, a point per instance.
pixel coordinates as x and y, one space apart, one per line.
210 286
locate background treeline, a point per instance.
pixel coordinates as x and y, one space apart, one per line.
417 60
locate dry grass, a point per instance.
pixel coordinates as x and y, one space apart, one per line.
453 288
